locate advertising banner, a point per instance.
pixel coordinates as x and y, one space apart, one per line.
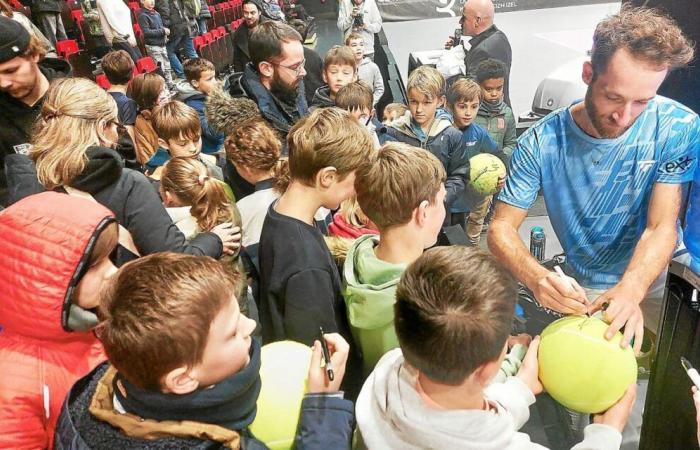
400 10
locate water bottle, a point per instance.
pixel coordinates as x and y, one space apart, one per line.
691 232
538 241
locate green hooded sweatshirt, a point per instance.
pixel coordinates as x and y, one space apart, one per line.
369 289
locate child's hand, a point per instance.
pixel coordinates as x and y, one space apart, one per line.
696 399
167 31
522 339
618 413
501 182
338 349
230 237
528 372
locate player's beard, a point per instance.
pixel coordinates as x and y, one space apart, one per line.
598 120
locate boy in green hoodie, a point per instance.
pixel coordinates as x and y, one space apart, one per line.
403 193
430 127
494 115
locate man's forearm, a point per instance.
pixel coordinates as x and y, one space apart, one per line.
505 244
651 256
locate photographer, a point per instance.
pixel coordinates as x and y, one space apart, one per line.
360 16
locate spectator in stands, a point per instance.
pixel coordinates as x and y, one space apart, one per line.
469 211
55 254
154 36
403 193
274 79
486 41
176 18
47 15
25 74
252 14
73 148
148 91
494 115
356 98
393 111
115 18
204 15
185 367
367 71
119 69
95 40
7 11
313 64
339 69
200 74
362 17
430 127
179 135
299 282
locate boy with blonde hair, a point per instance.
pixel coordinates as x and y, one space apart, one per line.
454 309
339 69
469 211
403 194
300 287
367 71
430 127
179 135
183 368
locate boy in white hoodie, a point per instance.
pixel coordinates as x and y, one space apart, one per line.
454 307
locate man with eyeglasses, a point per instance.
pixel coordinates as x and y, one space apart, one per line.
486 41
274 80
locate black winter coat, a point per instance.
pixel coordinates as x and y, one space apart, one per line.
152 26
492 43
174 17
46 6
129 194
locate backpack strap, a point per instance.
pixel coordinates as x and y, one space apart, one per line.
125 238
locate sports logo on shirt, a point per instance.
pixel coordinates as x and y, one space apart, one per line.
22 149
677 166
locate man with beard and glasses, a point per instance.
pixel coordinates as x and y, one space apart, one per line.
25 75
274 80
611 169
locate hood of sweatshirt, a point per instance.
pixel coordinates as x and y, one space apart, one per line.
322 97
392 414
369 285
407 126
184 91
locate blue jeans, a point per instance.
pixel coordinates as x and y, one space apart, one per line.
173 45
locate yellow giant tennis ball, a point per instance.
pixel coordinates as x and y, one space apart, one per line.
284 370
484 171
581 369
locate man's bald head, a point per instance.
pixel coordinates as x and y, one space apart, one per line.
477 17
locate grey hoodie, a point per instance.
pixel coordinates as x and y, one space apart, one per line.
392 415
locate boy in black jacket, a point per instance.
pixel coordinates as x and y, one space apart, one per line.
183 368
429 126
154 36
299 281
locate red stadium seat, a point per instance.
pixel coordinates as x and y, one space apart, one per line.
66 48
102 81
146 65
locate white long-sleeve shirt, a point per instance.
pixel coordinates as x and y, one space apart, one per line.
368 72
115 18
370 16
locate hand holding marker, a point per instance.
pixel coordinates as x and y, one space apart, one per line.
326 356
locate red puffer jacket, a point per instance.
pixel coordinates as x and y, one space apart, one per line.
45 246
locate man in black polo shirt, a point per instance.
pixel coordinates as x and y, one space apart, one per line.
24 79
486 41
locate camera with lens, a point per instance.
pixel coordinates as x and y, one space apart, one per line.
457 38
357 22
